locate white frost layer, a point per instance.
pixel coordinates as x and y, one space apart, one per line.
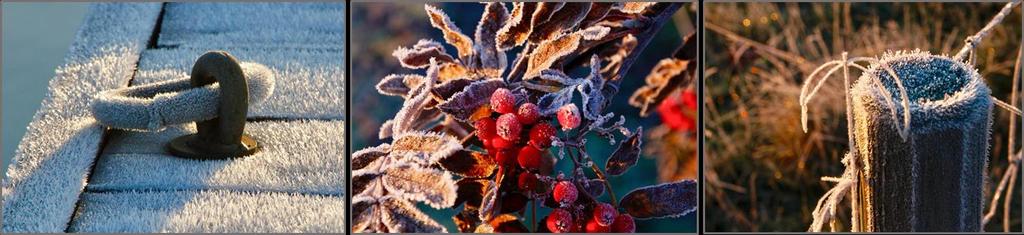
296 156
49 168
209 211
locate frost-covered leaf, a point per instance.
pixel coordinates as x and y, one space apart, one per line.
400 216
636 7
471 191
593 99
490 206
518 27
543 12
427 146
564 20
595 187
549 51
463 104
448 89
407 118
365 214
362 180
453 71
468 164
488 58
597 12
593 33
419 55
624 48
663 200
434 187
549 103
626 154
667 76
367 156
452 34
399 84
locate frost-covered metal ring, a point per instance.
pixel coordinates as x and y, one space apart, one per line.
153 106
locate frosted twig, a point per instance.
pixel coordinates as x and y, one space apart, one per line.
972 41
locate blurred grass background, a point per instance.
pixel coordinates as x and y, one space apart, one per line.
380 28
762 172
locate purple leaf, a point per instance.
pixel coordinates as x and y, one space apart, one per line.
463 104
367 156
626 154
663 200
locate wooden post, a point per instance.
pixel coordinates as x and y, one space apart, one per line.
933 179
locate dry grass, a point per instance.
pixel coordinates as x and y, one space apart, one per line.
762 170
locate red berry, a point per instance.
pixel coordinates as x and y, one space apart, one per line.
559 221
594 227
502 101
528 181
485 128
509 127
540 135
528 113
623 224
569 117
565 193
604 214
501 143
529 157
506 157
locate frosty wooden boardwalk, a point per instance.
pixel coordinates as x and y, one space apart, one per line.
70 174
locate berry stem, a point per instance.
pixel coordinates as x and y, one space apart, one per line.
533 216
600 175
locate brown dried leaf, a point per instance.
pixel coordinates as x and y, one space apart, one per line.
471 191
399 84
365 215
419 55
564 20
626 154
367 156
362 180
425 147
400 216
463 104
454 71
469 164
519 26
548 52
452 34
611 70
663 200
489 59
434 187
636 7
669 75
597 12
543 12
